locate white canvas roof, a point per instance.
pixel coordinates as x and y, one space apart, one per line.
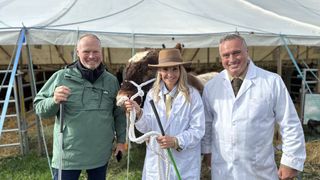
151 23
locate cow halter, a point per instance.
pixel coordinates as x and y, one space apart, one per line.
139 92
132 116
139 88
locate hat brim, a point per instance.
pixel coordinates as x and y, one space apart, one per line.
168 64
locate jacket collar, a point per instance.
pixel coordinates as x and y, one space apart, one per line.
247 82
88 74
165 91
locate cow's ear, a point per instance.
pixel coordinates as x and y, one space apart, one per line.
179 46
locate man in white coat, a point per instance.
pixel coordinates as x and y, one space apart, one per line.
240 123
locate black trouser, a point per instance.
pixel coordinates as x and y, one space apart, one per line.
93 174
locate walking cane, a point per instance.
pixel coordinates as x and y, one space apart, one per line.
61 140
162 132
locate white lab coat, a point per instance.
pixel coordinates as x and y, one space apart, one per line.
239 130
186 122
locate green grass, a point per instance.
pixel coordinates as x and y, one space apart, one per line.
118 170
34 167
29 167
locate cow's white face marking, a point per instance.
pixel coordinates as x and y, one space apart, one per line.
121 98
138 57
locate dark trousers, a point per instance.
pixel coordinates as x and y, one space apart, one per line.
93 174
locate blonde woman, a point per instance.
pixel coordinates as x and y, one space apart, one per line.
182 121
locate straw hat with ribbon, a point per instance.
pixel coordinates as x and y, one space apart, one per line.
169 57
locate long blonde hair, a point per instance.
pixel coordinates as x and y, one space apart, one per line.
182 84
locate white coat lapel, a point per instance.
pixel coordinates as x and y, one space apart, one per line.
248 80
227 84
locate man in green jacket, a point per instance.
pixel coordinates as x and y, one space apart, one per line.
91 117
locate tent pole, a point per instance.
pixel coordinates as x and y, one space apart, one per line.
307 53
74 58
252 54
133 45
109 55
127 138
12 77
208 56
50 55
279 64
318 66
34 92
291 56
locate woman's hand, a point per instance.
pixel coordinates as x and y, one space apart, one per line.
166 141
130 104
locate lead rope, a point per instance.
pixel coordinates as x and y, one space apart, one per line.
132 116
131 133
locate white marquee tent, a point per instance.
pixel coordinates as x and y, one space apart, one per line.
124 25
150 23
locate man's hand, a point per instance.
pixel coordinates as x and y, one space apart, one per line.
286 173
60 94
120 147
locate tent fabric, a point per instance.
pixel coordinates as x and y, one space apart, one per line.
266 55
151 23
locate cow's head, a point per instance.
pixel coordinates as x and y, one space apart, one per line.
137 70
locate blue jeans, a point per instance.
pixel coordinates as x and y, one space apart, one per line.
93 174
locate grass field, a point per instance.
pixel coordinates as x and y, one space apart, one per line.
34 167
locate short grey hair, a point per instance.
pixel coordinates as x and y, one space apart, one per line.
229 37
89 35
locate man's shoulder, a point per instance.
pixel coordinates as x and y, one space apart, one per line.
266 73
216 79
108 75
58 74
267 77
109 78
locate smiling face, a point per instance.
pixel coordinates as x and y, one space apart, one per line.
170 76
89 52
234 55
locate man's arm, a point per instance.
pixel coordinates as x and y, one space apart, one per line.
119 118
293 147
44 102
206 141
